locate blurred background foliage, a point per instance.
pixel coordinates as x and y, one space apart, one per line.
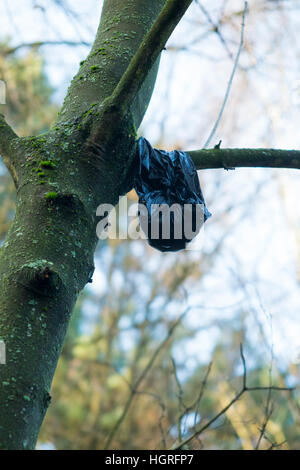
131 375
29 110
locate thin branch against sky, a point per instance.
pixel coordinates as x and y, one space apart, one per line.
229 85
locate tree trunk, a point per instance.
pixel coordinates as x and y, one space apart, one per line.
47 257
61 178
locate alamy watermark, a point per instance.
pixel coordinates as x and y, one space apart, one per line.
2 353
2 92
132 221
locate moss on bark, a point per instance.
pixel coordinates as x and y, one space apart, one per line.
47 257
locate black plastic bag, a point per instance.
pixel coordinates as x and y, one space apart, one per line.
172 209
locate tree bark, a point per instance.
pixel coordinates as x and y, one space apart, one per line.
61 177
47 257
229 159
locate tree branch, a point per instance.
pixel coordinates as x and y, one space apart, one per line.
229 159
148 52
243 390
8 140
230 80
115 107
141 377
37 44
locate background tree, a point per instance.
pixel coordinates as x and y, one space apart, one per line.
186 271
29 109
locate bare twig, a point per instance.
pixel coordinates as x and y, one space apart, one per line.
274 445
244 367
140 379
268 408
8 140
245 388
180 399
230 80
115 107
202 389
148 52
216 29
194 406
162 415
37 44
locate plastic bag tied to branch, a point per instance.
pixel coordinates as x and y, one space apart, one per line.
172 209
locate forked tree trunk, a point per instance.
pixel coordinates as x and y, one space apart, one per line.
47 257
